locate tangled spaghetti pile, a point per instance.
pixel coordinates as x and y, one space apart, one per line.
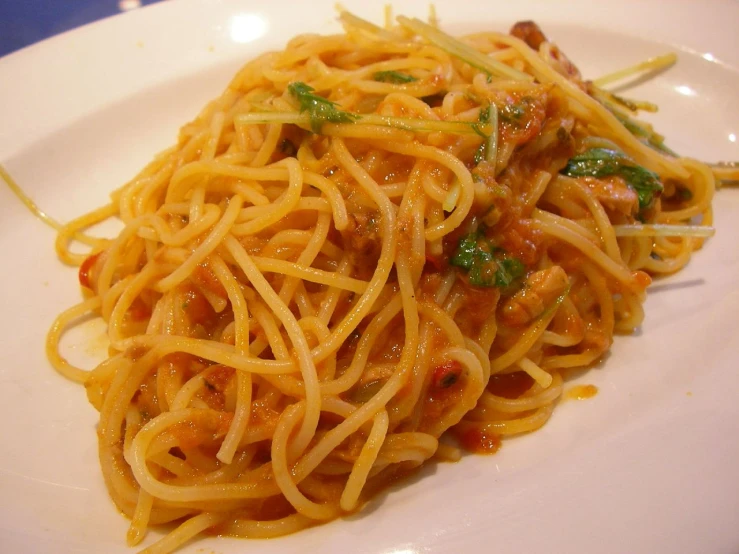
368 240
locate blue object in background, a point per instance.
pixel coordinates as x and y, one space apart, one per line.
23 22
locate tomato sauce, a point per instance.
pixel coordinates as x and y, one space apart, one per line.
198 309
522 118
478 441
219 377
85 272
445 390
191 434
582 392
204 277
522 240
510 385
139 310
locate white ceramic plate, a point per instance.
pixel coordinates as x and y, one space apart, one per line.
648 465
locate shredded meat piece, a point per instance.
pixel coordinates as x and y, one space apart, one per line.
529 32
539 292
564 66
614 194
363 241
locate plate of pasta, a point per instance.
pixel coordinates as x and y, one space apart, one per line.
396 280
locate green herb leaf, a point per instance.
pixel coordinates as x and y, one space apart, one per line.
394 77
482 121
319 109
514 113
486 264
484 115
646 183
481 153
509 269
602 162
639 131
487 119
596 162
466 252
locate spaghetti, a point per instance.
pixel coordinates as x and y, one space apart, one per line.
369 241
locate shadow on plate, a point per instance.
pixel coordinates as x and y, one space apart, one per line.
663 286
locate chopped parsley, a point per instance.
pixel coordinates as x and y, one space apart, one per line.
394 77
602 162
320 110
486 264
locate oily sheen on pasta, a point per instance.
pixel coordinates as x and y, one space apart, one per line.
369 242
